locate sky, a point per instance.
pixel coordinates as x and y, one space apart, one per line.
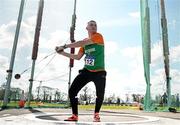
119 23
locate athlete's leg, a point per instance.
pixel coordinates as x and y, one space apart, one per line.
79 82
100 83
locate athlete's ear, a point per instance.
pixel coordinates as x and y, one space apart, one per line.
86 28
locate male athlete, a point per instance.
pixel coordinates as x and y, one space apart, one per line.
94 68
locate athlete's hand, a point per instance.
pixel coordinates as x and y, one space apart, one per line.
59 49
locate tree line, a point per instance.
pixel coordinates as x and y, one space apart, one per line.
86 96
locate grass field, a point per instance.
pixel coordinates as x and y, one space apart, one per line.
34 104
112 107
13 104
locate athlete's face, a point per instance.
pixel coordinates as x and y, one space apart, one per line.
92 27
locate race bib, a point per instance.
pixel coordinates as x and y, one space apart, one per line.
89 60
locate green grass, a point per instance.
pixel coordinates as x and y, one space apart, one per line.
13 104
111 107
166 108
33 104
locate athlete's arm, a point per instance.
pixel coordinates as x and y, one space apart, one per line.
72 56
96 38
79 43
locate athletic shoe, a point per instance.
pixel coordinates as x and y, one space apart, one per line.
72 118
96 117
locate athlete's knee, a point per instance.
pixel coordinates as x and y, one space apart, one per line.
72 93
100 96
73 97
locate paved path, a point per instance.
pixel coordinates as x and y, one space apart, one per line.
108 117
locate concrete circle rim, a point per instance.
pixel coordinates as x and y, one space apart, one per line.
148 119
